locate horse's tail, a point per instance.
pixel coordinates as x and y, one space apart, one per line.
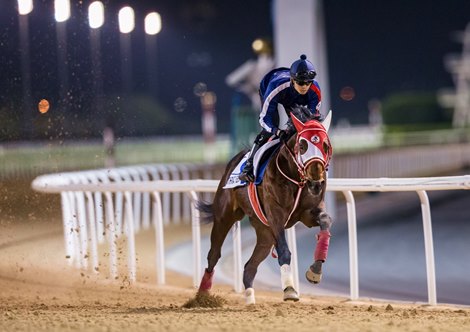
206 215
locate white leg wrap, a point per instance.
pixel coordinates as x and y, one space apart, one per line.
286 277
250 296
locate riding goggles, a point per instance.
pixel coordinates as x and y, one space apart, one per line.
302 83
305 75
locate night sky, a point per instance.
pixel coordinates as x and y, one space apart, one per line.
376 47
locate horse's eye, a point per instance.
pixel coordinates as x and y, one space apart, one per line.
302 146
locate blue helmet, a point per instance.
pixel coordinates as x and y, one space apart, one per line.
302 70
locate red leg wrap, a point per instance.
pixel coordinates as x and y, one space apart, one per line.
273 252
323 241
206 282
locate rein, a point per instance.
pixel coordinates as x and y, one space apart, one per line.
301 171
300 168
252 193
300 184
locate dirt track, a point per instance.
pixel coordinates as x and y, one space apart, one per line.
40 292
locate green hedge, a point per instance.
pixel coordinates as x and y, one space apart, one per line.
413 110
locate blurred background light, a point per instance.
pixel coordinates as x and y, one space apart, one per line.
347 93
25 7
153 23
257 45
126 19
62 10
200 89
96 14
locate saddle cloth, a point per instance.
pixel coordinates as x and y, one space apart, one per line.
260 161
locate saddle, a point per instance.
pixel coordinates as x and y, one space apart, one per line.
260 161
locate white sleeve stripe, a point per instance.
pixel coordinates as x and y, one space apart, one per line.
266 103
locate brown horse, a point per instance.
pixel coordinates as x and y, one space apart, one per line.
293 189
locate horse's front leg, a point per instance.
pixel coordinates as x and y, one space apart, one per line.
284 259
314 272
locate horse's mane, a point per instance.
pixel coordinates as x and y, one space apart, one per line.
302 113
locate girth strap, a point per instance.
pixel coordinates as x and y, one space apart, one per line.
255 204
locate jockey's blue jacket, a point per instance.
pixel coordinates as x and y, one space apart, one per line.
275 88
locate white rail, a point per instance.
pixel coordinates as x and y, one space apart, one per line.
78 188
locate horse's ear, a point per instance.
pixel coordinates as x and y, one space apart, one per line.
327 121
297 123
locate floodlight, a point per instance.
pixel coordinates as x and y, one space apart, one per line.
62 10
153 23
25 7
126 19
96 14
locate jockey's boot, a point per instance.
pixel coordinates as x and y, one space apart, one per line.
247 173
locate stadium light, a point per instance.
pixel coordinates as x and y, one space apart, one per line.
153 23
96 14
126 19
62 10
25 7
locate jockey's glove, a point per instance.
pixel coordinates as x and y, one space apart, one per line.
282 134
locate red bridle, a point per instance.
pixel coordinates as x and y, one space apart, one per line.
312 144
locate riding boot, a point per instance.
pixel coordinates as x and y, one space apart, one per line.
247 173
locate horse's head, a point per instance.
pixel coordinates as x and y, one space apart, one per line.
313 152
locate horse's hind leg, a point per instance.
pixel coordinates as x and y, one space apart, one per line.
264 243
219 232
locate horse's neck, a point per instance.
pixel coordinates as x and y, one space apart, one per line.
287 161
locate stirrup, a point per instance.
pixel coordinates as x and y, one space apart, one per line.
247 176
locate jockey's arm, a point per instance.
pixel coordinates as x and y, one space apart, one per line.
268 114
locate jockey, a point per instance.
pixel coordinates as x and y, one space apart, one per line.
286 87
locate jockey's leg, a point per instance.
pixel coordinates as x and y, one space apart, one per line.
264 243
247 173
314 272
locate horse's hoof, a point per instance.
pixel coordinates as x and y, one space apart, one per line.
313 274
290 294
206 281
250 296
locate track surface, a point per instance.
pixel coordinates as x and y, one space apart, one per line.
40 292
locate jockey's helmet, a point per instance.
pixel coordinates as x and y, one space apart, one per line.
302 70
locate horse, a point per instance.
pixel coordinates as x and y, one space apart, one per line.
292 189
